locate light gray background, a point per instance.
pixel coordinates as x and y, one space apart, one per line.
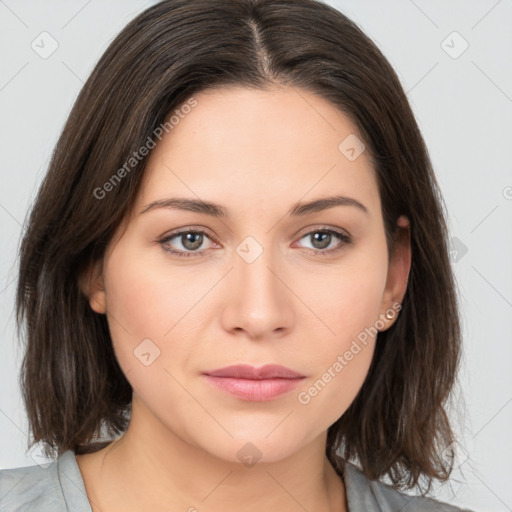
464 109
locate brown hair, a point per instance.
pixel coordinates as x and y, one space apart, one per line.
73 388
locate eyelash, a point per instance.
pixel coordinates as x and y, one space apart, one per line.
345 239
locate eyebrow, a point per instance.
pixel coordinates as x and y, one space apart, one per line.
216 210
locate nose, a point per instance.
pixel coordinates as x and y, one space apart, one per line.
258 304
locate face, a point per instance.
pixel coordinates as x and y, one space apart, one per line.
256 280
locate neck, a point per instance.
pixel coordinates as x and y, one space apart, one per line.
177 475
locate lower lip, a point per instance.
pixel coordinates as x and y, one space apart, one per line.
252 389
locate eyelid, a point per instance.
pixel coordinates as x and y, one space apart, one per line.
345 239
187 229
313 229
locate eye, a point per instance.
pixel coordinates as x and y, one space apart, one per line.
189 240
322 239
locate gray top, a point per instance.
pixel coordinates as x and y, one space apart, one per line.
59 487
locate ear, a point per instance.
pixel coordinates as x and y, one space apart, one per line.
398 270
92 285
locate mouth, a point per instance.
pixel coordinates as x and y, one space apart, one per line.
254 384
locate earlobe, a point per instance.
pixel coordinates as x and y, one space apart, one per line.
97 302
92 286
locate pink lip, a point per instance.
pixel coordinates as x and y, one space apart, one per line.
254 384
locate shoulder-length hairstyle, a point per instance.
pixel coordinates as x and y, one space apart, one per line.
73 388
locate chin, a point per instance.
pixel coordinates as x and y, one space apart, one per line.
249 450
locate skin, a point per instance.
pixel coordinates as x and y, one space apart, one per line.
257 153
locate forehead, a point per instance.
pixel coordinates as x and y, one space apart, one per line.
238 143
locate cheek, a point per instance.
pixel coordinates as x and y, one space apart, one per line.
152 329
350 305
340 360
146 302
348 299
336 385
146 293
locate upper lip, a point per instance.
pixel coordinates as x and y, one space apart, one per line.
246 371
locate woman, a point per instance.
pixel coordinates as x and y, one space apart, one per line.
238 262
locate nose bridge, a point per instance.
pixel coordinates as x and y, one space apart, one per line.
258 301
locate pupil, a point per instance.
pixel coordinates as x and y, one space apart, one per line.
188 240
322 237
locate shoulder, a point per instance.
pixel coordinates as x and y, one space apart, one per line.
31 487
372 495
50 487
